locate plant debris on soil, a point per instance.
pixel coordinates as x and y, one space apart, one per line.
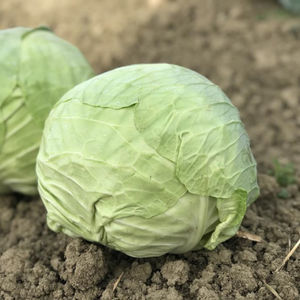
251 50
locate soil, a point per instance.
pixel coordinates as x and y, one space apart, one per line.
251 50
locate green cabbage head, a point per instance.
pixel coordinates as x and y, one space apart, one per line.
146 159
291 5
36 69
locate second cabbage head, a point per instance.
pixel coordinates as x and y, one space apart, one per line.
36 69
146 159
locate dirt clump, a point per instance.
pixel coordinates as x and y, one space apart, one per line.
175 272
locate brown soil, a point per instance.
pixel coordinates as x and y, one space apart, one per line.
249 48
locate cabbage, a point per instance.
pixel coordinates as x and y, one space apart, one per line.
146 159
36 69
291 5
